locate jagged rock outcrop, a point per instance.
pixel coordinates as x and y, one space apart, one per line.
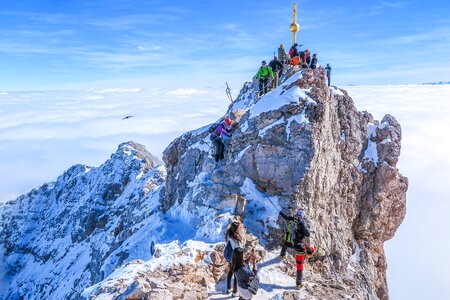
131 229
304 145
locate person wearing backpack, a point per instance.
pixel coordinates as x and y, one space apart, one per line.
247 278
219 135
289 234
235 238
301 231
282 55
293 52
263 75
277 68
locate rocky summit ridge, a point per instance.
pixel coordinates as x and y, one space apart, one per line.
135 228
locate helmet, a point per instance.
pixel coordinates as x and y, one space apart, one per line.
307 50
263 62
295 45
301 213
228 121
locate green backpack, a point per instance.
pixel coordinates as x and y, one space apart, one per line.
289 232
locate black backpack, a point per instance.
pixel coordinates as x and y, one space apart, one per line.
213 127
253 284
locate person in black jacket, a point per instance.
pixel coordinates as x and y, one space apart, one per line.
277 68
313 64
302 231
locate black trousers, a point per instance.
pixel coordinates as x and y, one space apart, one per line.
229 276
219 148
284 248
263 88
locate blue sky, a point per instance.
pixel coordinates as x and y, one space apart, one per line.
117 43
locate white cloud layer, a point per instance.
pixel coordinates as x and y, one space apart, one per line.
44 133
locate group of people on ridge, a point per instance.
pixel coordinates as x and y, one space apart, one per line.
274 69
242 261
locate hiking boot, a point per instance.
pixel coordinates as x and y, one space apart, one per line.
228 291
235 294
299 286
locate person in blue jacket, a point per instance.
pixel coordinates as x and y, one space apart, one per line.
328 68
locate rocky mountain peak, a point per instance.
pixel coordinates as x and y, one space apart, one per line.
134 229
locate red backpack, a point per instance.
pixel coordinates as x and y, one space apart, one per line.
291 52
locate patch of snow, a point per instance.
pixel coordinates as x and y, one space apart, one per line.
279 97
383 125
356 257
371 153
262 132
273 281
241 153
386 141
201 145
244 127
261 209
337 92
300 119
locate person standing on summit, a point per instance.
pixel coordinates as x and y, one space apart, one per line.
282 55
263 75
293 52
277 68
305 58
313 64
328 68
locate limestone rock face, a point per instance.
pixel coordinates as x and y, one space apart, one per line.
304 145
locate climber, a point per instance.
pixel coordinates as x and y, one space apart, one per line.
305 58
293 52
297 242
328 68
248 281
235 235
263 75
220 134
282 55
277 68
313 64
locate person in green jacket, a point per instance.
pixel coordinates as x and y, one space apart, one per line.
263 75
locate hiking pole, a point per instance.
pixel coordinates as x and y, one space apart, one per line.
228 92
